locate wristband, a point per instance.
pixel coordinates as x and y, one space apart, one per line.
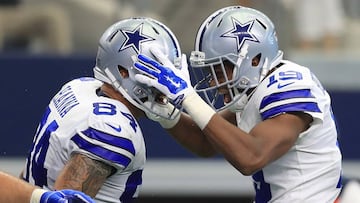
36 195
198 109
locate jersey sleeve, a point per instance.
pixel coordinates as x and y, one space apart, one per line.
291 89
107 141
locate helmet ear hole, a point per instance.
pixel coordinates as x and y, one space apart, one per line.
256 60
123 71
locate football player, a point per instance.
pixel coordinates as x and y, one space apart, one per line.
15 190
270 118
89 138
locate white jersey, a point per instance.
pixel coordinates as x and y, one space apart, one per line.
311 170
79 120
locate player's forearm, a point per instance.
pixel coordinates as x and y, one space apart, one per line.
14 190
190 136
235 145
226 137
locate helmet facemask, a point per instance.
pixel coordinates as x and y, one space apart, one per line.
218 79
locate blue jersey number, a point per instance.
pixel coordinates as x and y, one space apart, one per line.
262 188
38 150
104 109
110 109
284 78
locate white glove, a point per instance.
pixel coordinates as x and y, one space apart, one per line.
164 76
162 114
61 196
173 83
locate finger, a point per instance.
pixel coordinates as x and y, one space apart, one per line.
146 70
149 61
133 58
153 63
159 55
145 80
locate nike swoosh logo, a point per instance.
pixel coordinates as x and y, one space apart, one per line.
117 129
176 84
284 85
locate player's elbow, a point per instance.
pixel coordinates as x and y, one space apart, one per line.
249 167
247 171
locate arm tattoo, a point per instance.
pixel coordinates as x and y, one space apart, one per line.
85 174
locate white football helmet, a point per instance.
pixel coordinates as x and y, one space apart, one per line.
233 35
120 43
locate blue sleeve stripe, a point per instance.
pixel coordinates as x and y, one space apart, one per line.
339 184
109 139
45 116
303 93
300 106
100 151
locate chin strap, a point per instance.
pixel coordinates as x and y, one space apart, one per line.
165 114
239 106
240 102
238 118
107 77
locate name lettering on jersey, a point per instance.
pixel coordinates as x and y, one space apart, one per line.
64 101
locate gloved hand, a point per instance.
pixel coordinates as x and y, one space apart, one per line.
164 76
174 83
61 196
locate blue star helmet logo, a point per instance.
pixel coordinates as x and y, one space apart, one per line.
134 38
241 32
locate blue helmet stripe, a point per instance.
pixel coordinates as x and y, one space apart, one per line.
293 107
204 27
109 139
172 37
100 151
303 93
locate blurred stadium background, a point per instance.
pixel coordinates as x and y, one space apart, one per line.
32 73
